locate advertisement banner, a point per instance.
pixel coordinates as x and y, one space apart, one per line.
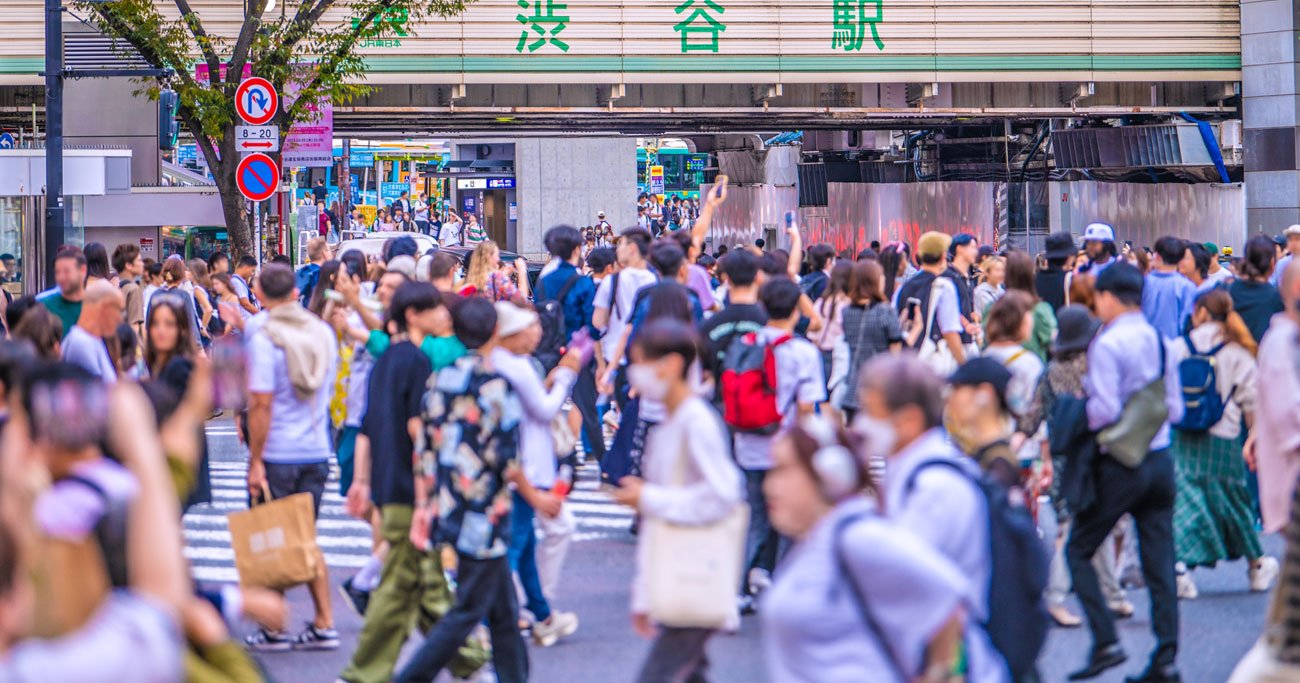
310 144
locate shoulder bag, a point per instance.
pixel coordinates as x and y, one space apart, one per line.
936 354
1128 441
693 571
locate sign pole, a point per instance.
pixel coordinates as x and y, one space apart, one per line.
257 231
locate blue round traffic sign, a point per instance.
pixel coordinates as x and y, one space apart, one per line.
258 177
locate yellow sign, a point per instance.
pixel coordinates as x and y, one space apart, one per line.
656 180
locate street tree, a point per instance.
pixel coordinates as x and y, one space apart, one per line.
310 47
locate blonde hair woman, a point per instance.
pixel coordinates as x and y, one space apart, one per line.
488 277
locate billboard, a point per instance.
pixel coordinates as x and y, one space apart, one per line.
767 41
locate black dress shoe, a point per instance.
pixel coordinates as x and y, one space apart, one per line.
1101 660
1157 673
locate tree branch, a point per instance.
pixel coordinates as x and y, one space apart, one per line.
325 65
201 37
239 57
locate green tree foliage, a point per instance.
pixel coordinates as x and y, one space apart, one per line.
294 44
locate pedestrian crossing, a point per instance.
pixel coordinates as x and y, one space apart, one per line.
345 541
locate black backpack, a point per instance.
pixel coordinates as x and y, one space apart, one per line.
550 312
1017 622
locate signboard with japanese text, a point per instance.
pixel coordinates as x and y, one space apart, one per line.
656 180
310 143
764 41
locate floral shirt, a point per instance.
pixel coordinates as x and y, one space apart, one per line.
471 435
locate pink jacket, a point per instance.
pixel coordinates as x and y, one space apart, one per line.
1277 421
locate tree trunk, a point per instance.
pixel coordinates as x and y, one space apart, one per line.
233 204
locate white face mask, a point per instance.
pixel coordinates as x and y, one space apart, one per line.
645 379
879 435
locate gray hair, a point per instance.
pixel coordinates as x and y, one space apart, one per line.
902 380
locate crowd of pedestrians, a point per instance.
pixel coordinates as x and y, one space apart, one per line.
856 447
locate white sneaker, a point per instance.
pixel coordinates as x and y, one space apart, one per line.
759 580
1262 574
1187 587
560 625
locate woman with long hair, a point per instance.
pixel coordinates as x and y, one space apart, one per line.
174 276
97 267
831 308
896 260
1021 276
870 327
170 347
488 277
1214 517
204 309
328 271
991 288
223 294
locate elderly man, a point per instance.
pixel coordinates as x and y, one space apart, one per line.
101 311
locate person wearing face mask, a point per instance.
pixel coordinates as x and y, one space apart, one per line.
901 418
689 480
857 597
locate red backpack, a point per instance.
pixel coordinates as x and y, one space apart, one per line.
749 385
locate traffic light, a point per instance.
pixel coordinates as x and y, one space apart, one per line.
169 129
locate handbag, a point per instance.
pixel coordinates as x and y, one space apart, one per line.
842 357
693 571
1128 441
936 354
275 542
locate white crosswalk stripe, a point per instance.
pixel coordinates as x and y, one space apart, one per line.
346 541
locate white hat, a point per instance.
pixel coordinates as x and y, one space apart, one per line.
1293 230
512 319
600 214
1098 232
402 264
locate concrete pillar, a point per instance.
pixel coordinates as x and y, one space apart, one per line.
568 180
1270 89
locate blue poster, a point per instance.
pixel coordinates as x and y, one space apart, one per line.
391 192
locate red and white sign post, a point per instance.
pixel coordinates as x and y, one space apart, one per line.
258 176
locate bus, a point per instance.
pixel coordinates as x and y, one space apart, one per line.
684 171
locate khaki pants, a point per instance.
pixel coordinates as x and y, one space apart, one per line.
412 592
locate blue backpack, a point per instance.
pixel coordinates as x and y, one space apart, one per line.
1017 622
1203 406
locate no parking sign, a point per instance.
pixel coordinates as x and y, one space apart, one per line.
258 177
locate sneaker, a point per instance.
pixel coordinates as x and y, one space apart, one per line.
313 638
1187 587
355 598
1262 574
560 625
759 580
747 605
263 640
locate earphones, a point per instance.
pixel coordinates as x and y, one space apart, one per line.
835 465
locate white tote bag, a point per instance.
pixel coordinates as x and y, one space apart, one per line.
937 355
693 571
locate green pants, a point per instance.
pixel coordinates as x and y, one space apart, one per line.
412 591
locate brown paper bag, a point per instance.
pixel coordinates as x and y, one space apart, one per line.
275 543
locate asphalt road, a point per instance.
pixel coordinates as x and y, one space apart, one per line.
1216 629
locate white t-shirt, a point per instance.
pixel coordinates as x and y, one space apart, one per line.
630 281
299 429
449 236
799 379
241 292
85 349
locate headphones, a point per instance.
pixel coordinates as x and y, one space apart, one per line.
835 465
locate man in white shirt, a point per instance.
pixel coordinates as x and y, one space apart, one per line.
421 213
292 357
101 311
799 388
451 233
519 332
617 293
1292 235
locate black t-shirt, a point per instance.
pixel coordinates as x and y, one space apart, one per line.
393 396
319 193
719 331
1257 303
1050 284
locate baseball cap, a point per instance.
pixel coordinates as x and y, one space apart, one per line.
1098 232
1212 248
512 319
982 370
933 244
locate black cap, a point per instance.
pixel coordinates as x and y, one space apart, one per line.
1075 328
982 370
986 250
1060 245
1120 278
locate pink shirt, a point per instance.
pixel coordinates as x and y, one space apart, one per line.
1277 421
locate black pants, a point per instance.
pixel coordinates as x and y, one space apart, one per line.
1147 493
486 590
584 399
677 656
